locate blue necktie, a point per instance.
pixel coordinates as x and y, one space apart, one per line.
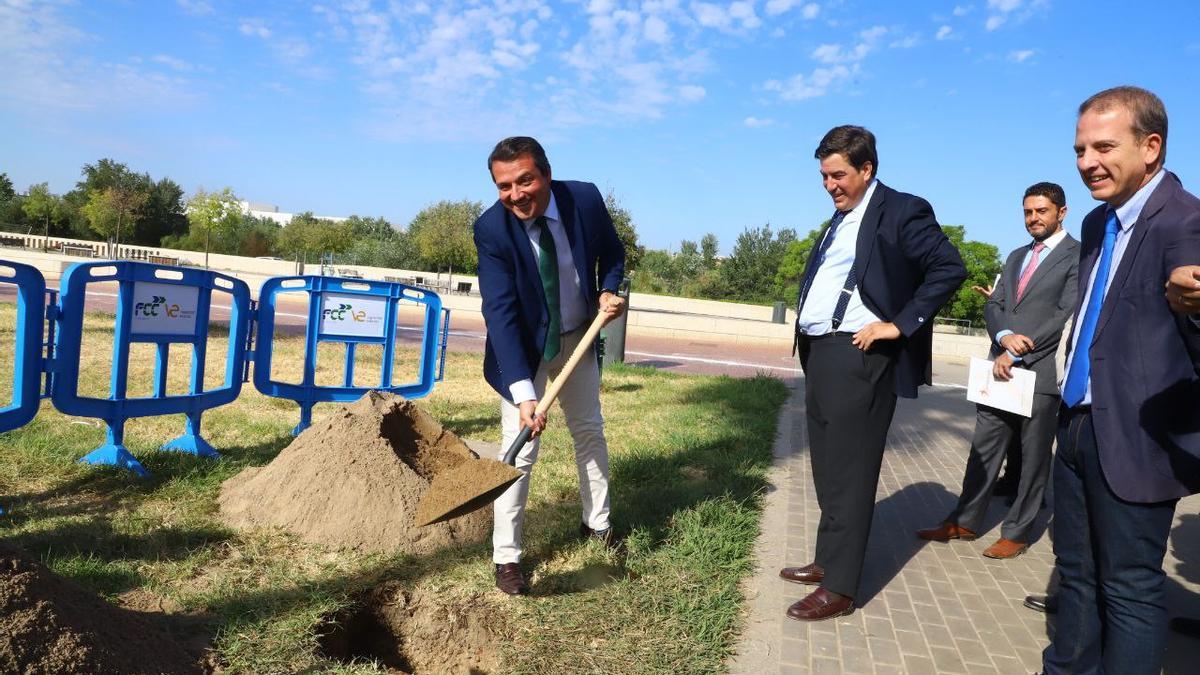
1075 387
838 217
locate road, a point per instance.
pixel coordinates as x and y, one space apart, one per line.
704 356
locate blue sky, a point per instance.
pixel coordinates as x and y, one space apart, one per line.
701 116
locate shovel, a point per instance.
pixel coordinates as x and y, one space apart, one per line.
475 483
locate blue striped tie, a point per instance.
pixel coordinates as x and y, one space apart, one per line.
1075 387
819 257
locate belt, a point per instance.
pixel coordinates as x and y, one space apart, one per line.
832 334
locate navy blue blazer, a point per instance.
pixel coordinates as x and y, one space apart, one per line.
907 270
514 303
1145 359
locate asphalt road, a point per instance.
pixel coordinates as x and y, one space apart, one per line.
707 356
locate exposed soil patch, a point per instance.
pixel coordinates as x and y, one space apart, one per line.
50 625
412 631
353 480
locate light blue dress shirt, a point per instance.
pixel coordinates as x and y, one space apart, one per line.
816 317
1128 215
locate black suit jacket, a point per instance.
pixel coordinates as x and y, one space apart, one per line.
907 270
1144 358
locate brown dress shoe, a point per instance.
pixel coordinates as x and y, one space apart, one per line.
1005 548
946 532
820 605
510 580
810 574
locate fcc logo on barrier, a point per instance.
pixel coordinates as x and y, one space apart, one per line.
164 309
356 315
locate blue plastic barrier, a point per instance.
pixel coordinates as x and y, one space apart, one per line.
156 304
30 288
353 312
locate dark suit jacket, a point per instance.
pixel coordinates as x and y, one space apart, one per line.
1041 313
907 269
1145 389
514 303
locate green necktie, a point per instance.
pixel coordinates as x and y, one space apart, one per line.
548 271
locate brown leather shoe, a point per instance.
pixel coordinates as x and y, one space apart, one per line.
510 580
1005 548
820 605
810 574
946 532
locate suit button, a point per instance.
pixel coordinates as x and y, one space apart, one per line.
920 319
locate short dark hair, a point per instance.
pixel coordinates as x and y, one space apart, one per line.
1148 112
514 146
1051 191
856 144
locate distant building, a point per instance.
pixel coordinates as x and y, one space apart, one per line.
272 212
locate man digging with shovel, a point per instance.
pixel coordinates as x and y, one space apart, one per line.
549 257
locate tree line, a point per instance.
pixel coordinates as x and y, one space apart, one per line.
110 202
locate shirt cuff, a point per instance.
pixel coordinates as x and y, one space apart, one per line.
1012 356
522 390
1001 335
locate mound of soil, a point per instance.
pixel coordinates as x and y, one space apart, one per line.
413 631
50 625
354 480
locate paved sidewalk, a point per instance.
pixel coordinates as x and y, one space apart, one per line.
924 607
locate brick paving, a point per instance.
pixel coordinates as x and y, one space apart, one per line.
923 607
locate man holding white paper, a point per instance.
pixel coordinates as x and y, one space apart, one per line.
1025 314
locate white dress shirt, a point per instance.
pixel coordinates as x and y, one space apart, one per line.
571 305
816 317
1127 215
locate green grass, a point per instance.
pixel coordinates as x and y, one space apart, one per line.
689 457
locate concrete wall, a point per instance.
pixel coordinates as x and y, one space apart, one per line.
684 319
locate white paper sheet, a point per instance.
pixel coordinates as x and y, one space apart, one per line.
1015 395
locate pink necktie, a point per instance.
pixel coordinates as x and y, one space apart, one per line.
1030 268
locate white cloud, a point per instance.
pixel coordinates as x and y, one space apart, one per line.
1001 11
195 7
757 123
173 63
254 28
656 30
906 42
807 10
962 10
692 93
810 10
944 32
834 53
814 85
1021 55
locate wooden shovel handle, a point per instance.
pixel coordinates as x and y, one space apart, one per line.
585 344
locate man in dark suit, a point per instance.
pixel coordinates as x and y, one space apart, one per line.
881 270
1025 316
1126 431
549 259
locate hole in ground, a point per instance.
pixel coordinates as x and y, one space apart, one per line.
415 631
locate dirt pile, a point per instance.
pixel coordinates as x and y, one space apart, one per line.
416 632
353 480
50 625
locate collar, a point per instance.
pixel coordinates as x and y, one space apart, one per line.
862 205
550 214
1053 239
1129 212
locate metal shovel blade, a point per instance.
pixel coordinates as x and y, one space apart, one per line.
470 486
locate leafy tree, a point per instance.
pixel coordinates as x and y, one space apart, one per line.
795 258
443 236
163 215
373 228
688 262
42 207
308 234
159 215
749 271
213 211
626 232
109 209
7 193
708 251
983 264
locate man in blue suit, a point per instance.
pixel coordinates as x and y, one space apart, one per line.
1127 440
549 259
864 331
